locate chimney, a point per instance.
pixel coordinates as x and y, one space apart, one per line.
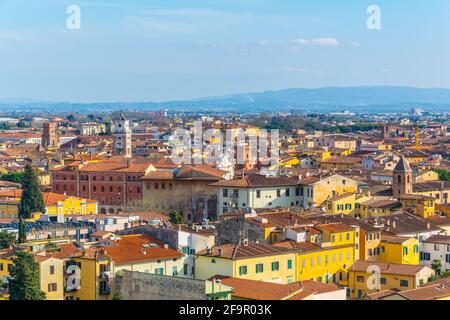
143 251
428 226
393 224
245 242
166 246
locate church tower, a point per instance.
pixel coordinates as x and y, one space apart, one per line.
122 137
50 137
403 178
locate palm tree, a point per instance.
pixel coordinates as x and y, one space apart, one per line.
436 265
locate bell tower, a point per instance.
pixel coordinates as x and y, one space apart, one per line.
122 137
50 136
403 178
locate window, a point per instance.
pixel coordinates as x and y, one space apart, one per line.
159 271
347 236
52 269
52 287
447 258
185 269
359 278
297 191
405 251
163 185
242 270
289 264
332 238
174 271
236 193
416 249
288 192
278 193
383 281
360 293
369 252
275 266
259 268
404 283
258 193
225 193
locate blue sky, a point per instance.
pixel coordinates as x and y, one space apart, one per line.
156 50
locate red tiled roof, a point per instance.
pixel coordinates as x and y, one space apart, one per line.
130 249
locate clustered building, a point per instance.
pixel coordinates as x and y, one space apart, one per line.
334 208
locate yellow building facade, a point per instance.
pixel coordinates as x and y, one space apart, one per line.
344 203
366 277
88 276
55 204
276 267
400 250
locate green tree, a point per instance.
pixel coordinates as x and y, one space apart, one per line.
436 265
6 239
176 217
31 200
25 278
117 296
444 175
16 177
22 237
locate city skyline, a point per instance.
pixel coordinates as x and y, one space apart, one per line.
162 51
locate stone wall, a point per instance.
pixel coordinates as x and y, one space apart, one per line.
145 286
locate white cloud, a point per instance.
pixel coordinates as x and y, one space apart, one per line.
302 70
321 42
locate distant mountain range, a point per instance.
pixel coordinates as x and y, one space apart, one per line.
371 99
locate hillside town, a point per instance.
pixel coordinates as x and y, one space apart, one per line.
97 208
